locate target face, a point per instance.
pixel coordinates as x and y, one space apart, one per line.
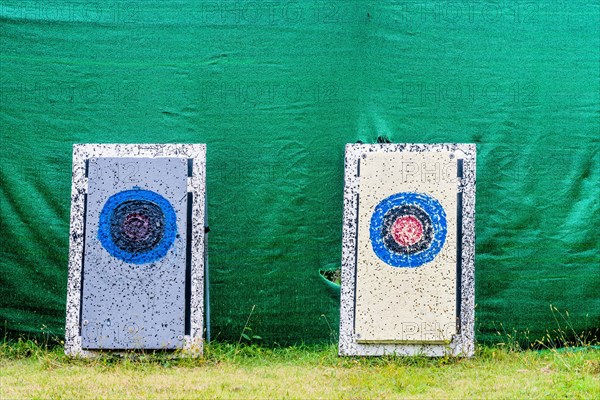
408 229
134 272
137 226
406 247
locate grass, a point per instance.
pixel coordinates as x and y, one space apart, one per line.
31 370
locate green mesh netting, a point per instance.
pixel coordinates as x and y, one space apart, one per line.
276 89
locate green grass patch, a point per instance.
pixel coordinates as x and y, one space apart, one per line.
30 370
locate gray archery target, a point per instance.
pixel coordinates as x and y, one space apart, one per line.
134 263
137 244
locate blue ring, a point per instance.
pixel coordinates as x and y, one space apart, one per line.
438 218
161 249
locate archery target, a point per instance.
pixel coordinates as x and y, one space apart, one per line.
135 253
406 247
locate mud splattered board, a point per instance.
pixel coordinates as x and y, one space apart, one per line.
137 248
407 263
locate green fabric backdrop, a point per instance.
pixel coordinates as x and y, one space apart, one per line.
276 89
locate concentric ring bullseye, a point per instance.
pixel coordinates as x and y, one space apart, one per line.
408 229
137 226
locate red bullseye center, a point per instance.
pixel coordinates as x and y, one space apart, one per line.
136 226
407 230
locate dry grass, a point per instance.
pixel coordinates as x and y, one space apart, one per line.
228 371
